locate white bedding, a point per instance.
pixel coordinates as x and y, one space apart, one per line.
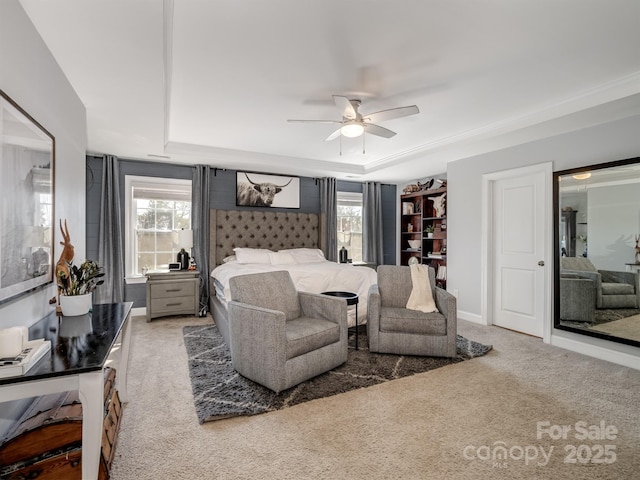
316 277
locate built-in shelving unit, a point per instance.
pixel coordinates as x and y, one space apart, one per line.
423 233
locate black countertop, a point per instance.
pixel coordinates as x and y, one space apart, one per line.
78 344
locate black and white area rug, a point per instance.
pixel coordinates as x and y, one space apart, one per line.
220 392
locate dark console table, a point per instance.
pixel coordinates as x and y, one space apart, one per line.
80 347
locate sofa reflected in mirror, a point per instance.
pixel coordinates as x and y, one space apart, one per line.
597 279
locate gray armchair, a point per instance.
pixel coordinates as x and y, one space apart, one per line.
392 328
280 336
613 289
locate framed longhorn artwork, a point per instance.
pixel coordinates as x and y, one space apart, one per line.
262 190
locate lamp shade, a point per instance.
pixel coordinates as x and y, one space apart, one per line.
185 238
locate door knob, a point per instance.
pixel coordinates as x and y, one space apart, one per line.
541 263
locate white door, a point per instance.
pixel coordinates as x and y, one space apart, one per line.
520 252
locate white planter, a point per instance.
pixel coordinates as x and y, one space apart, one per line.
72 305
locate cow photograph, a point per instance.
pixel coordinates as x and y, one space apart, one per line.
260 190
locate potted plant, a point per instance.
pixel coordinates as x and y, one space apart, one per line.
429 229
76 287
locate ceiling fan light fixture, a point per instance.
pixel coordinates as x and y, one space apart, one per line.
352 129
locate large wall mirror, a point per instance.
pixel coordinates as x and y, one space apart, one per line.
27 153
597 252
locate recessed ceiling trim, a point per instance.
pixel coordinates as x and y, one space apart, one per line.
608 92
238 158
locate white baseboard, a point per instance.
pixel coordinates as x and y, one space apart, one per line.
138 311
602 353
471 317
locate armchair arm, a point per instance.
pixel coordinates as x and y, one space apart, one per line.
596 277
315 305
373 317
447 305
258 338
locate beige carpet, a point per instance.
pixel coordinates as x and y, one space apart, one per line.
628 327
417 427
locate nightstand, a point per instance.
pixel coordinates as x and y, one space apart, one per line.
173 293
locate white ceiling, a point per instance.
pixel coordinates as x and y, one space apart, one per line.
214 81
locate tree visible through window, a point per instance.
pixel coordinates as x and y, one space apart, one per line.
158 208
350 224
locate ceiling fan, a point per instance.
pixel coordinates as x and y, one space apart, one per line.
354 124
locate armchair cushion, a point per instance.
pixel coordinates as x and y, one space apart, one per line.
306 334
617 289
402 320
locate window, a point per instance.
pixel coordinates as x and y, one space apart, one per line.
350 224
156 208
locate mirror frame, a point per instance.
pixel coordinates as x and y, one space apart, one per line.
556 250
13 119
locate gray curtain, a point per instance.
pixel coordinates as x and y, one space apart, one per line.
328 218
110 250
372 240
200 227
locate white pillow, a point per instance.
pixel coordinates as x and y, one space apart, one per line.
306 255
421 297
253 255
230 258
281 258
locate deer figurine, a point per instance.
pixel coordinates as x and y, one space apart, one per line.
62 267
638 249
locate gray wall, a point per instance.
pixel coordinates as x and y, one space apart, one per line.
31 77
223 195
603 143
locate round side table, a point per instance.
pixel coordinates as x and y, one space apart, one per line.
352 299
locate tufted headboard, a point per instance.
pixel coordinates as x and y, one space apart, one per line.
274 230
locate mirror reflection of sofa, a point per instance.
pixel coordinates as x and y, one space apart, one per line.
612 289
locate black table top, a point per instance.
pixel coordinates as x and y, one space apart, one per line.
350 297
78 344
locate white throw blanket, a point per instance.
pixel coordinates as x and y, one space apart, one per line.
421 297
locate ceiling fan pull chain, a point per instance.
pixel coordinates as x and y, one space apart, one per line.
340 144
363 136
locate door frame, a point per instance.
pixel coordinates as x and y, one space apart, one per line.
487 242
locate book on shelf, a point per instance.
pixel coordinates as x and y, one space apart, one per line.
32 351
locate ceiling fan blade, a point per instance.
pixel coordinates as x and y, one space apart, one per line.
391 114
345 107
333 136
314 121
378 130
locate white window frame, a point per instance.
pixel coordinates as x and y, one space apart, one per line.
129 227
349 196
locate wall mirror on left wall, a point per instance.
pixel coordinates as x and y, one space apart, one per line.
27 153
597 251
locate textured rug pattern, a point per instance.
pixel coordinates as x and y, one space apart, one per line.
220 392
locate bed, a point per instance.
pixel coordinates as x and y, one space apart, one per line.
244 241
